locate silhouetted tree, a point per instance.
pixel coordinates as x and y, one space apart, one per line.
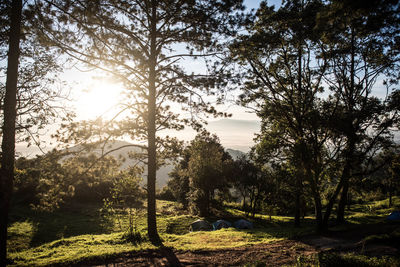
284 80
8 128
360 44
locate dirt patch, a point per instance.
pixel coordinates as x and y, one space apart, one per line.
272 254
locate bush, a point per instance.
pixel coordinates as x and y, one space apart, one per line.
166 194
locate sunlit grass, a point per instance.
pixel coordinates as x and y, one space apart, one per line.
74 249
373 212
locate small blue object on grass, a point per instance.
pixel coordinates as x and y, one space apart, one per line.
394 216
243 224
221 224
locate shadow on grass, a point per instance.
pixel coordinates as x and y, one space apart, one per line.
169 254
71 221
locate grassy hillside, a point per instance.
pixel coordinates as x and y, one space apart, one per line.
81 233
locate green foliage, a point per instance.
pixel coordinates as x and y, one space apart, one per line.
206 171
126 200
202 175
50 180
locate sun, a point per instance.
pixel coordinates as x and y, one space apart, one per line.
99 97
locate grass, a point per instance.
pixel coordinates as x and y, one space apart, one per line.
79 232
351 259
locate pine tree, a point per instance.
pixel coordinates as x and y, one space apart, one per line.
141 43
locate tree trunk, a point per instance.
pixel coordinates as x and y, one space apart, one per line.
299 177
205 207
351 135
8 142
390 199
255 204
251 203
342 203
151 131
318 212
297 209
343 179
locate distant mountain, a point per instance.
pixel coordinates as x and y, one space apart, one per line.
235 154
235 134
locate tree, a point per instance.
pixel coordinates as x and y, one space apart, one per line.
8 141
31 72
206 171
250 181
328 140
360 45
283 85
41 96
141 44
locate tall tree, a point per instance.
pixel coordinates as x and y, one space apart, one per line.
332 137
8 141
141 44
284 80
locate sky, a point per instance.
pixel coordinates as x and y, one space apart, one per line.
102 94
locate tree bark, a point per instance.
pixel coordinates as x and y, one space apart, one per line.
299 178
297 209
342 203
151 131
343 180
8 142
390 198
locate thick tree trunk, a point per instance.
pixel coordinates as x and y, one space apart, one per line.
343 180
313 180
342 203
8 142
151 131
318 212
